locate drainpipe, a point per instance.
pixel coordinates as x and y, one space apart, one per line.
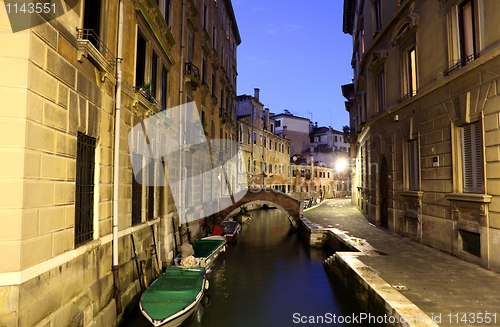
181 95
116 163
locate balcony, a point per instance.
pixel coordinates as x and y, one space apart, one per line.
94 49
224 115
461 63
148 101
192 74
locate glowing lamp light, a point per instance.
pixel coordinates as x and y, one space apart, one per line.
341 164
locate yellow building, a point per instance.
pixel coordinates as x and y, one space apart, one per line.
266 154
69 201
424 116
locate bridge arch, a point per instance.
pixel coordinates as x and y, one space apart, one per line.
290 206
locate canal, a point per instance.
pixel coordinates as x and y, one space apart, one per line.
268 278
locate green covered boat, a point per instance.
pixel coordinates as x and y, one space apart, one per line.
174 296
206 250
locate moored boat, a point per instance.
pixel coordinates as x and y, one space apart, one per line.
174 296
231 228
243 218
206 250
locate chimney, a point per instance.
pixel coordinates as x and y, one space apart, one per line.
284 132
256 93
316 124
287 112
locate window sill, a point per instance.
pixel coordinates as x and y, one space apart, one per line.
469 197
415 194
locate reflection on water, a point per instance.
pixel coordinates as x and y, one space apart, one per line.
266 278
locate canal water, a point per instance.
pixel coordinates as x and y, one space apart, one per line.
267 278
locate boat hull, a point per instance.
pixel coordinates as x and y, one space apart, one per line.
174 296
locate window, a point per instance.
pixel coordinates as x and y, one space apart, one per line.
151 192
265 142
472 158
190 54
467 31
204 16
241 135
270 168
272 128
380 93
213 85
166 12
410 71
214 34
288 149
377 15
278 123
136 195
203 70
164 75
335 138
154 69
275 146
84 195
92 20
254 138
254 165
260 139
248 140
413 166
294 173
140 61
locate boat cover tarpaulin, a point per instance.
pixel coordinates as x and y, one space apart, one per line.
173 291
203 248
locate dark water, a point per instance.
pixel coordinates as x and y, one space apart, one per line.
268 278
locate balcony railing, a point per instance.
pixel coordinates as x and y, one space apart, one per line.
461 63
191 69
145 93
223 112
85 36
407 96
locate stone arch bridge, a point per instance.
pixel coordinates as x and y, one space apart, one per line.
290 206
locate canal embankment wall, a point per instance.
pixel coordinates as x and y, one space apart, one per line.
360 282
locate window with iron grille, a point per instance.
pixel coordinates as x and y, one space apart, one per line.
84 195
472 158
151 191
413 166
137 195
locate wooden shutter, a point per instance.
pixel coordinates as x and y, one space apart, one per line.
472 158
413 165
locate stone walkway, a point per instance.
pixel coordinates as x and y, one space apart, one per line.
435 281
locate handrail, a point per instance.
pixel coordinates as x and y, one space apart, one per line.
461 63
91 36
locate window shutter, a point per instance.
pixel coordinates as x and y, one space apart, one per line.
413 165
472 157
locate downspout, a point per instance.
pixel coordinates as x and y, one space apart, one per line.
116 163
180 210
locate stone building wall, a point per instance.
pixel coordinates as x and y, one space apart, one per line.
53 89
439 211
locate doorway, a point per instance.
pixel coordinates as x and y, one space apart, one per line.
384 194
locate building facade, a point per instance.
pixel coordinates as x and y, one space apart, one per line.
71 208
296 130
266 154
424 121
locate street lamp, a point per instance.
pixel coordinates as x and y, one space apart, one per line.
341 164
